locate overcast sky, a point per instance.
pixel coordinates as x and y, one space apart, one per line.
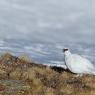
51 20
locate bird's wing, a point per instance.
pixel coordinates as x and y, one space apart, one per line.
83 60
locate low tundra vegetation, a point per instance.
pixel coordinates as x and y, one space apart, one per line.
18 76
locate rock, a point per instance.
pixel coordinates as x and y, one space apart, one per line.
14 87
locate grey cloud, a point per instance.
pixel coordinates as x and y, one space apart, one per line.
51 20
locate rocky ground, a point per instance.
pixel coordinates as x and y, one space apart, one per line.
22 76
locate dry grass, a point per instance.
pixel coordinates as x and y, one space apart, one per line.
42 80
24 57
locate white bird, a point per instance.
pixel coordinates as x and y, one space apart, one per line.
77 64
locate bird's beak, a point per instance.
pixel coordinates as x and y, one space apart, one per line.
64 50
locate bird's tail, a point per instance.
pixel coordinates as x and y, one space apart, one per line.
92 72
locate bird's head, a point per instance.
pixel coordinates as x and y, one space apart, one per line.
65 49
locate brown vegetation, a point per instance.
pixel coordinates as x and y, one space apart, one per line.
22 77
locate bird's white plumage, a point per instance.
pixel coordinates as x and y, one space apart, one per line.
77 64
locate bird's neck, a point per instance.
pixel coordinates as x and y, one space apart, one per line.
67 53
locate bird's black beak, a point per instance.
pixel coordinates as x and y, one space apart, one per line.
65 50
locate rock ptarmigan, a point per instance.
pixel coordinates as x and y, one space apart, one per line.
77 64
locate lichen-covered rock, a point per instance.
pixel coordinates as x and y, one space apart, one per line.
14 87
